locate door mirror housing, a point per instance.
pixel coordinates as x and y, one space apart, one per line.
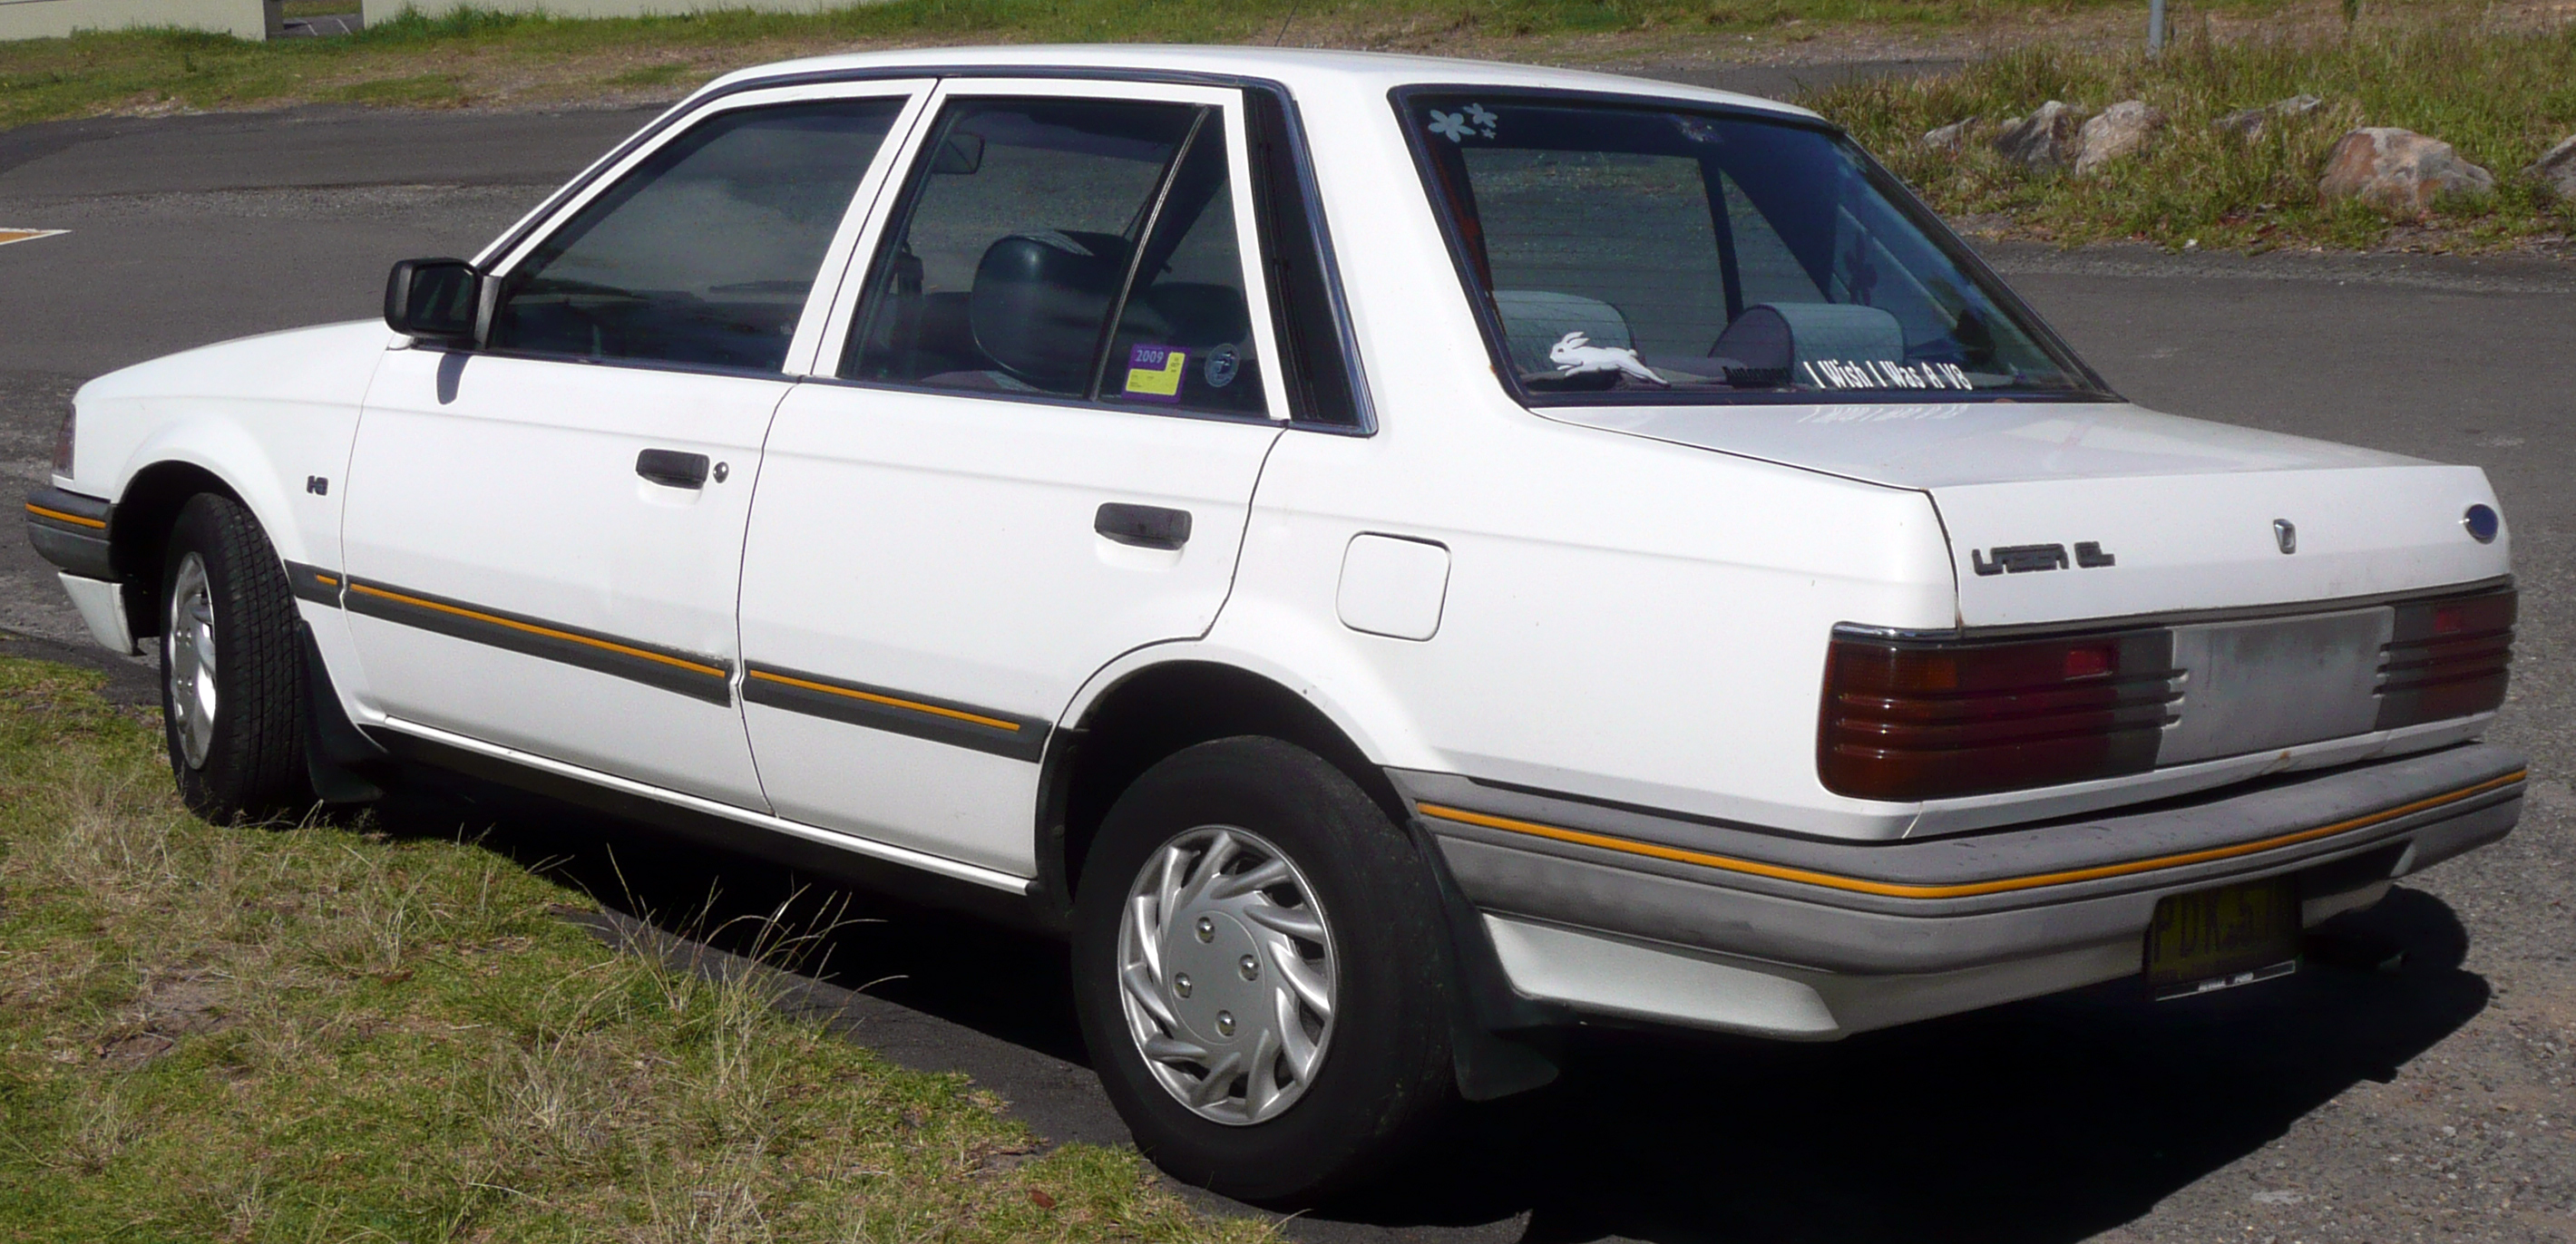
434 300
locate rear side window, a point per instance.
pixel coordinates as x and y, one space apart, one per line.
1069 248
703 255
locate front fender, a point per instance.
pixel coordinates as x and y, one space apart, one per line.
252 471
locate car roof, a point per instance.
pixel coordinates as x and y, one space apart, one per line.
1301 70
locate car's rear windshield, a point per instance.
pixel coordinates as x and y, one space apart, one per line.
1660 253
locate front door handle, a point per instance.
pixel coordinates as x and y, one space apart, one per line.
673 468
1145 526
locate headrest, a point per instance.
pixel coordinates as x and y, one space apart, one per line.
1770 338
1038 300
1536 319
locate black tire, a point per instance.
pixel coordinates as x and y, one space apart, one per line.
251 766
1385 1077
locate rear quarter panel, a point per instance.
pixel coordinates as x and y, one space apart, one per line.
1625 619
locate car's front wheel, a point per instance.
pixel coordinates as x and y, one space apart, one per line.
230 697
1262 973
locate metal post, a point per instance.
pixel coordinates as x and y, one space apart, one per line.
2155 26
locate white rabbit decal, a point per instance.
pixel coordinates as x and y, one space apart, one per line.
1574 355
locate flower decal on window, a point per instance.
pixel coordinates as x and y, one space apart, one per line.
1471 121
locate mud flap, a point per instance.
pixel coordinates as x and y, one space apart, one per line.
336 752
1501 1042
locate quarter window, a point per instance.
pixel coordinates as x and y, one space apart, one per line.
704 254
1032 226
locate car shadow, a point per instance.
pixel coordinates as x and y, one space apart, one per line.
2047 1120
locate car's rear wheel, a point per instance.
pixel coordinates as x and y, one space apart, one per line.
1262 972
230 699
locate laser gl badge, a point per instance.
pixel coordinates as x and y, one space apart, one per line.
2025 558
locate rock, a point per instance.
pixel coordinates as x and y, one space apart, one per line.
2250 121
2557 170
2400 172
2122 130
1951 138
2044 141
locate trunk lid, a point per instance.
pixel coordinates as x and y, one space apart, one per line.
2080 511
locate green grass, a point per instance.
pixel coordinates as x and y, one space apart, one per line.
244 1034
2500 98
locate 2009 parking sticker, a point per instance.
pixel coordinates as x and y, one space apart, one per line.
8 235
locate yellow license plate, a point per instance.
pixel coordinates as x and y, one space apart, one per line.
2215 939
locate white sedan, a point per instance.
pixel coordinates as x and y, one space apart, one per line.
1390 557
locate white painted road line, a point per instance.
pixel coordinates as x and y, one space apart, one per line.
26 235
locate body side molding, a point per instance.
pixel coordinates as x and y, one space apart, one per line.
696 675
898 712
313 583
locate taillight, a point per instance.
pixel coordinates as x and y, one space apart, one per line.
1909 720
63 440
2446 659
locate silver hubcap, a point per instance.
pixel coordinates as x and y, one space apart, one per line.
1228 974
189 661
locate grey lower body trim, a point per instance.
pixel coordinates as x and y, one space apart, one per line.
76 551
1693 940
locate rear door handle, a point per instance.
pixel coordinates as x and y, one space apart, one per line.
1145 526
673 468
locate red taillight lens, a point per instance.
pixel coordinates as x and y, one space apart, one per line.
2446 659
1908 720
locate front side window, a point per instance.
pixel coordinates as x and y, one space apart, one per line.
704 253
1652 253
1078 249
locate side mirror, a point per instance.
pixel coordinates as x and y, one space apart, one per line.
434 300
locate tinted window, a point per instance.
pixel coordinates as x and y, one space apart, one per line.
1648 253
704 254
1185 335
1030 224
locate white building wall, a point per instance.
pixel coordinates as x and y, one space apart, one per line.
52 19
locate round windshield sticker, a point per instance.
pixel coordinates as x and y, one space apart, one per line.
1223 364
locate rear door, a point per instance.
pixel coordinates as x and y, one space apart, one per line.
543 536
1042 408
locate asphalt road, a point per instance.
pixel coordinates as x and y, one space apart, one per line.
2349 1103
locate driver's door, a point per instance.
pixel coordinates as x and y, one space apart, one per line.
544 534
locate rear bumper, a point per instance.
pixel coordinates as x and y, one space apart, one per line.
1617 911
